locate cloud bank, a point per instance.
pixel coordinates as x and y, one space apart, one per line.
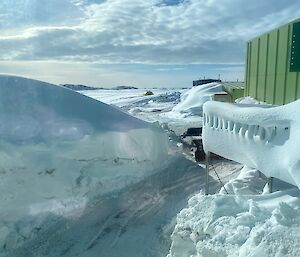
136 31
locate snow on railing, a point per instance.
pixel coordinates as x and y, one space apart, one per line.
263 137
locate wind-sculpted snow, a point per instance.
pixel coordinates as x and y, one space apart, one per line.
59 150
262 137
192 101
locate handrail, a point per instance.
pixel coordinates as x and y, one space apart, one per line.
261 137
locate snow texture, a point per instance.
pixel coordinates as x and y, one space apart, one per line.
239 225
60 150
262 137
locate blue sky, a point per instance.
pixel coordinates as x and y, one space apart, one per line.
145 43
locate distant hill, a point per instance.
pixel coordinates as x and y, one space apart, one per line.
83 87
123 87
79 87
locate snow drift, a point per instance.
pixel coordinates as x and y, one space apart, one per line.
59 150
239 225
191 101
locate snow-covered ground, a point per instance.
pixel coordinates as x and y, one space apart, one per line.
83 178
177 109
248 221
151 108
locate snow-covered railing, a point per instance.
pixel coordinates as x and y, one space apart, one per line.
263 137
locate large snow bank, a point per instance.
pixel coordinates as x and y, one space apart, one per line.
262 137
191 101
60 149
239 225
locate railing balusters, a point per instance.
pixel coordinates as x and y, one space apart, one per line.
255 133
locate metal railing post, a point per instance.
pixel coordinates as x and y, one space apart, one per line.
207 156
270 184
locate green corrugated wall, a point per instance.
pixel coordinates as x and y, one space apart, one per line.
269 61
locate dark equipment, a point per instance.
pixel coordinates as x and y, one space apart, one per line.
196 139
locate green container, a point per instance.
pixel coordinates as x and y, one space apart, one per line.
273 65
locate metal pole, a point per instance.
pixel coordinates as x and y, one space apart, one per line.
270 184
207 155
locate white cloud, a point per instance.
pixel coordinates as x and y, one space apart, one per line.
138 31
24 13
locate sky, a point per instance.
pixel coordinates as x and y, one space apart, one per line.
143 43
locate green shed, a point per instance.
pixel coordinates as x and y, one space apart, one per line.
273 65
234 89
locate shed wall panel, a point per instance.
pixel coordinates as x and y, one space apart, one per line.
247 77
254 67
262 69
298 86
281 65
271 67
268 75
